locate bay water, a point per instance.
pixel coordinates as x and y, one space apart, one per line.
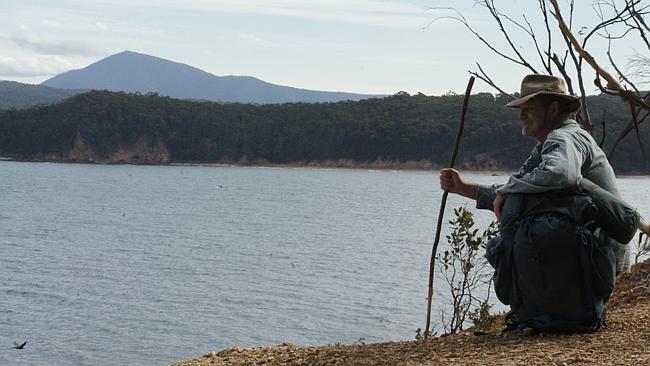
146 265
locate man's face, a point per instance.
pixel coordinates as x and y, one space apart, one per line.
533 120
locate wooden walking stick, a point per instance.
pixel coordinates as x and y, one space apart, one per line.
441 213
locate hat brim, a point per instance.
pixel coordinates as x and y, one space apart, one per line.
574 103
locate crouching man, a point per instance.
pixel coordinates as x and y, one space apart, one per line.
554 265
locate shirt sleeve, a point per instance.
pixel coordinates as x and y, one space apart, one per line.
485 196
560 167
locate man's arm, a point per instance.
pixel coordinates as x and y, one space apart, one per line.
452 181
560 168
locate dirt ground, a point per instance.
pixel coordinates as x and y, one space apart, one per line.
625 340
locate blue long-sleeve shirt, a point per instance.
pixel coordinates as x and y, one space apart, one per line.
568 154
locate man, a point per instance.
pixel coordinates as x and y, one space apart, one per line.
565 153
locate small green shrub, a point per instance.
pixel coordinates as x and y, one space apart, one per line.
463 267
419 334
481 316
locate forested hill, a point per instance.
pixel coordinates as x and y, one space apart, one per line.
19 95
119 127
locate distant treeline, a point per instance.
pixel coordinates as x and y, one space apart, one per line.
398 128
19 95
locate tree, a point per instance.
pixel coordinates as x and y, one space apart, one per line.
572 57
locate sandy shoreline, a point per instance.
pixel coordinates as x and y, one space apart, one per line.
422 165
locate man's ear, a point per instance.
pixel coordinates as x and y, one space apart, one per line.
555 108
552 115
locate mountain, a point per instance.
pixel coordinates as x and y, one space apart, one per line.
19 95
135 72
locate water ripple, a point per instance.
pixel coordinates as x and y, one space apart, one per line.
137 265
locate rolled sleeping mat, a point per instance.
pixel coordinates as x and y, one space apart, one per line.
618 218
644 226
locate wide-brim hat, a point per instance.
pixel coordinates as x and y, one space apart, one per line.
537 84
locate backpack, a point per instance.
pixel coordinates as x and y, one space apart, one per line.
553 264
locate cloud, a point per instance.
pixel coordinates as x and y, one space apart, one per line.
389 13
27 39
102 26
404 61
34 66
51 23
250 38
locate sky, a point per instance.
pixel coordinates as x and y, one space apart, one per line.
362 46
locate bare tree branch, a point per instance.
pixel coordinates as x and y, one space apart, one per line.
612 83
633 112
639 67
618 19
583 115
489 4
561 66
584 54
621 75
460 18
630 126
542 5
484 76
601 143
531 32
641 25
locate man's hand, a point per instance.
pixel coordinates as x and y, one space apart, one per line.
497 205
452 182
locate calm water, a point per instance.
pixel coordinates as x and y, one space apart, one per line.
145 265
